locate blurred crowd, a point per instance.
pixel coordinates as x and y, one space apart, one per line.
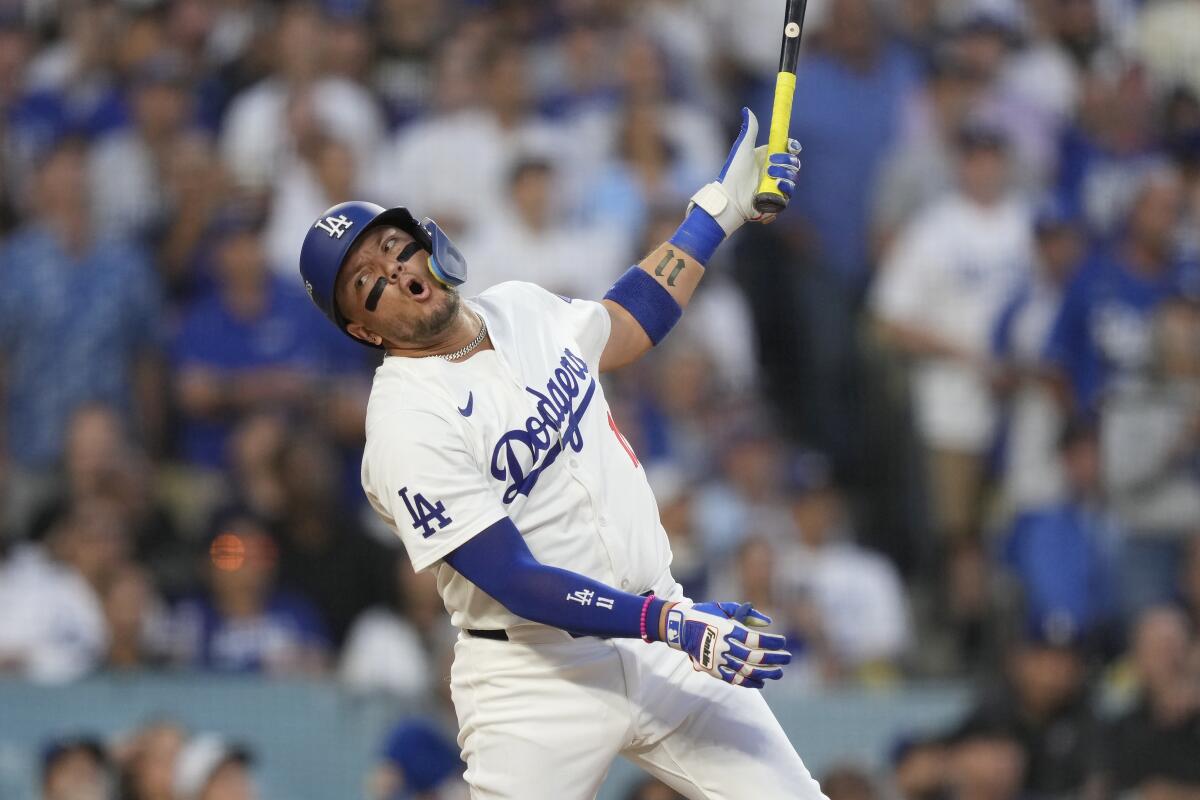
942 419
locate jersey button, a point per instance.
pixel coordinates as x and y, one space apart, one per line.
624 584
574 462
603 521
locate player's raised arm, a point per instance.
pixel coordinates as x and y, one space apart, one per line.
647 301
716 636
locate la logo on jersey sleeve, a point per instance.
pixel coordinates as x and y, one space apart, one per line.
424 513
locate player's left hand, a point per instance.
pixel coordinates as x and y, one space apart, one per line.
730 198
719 640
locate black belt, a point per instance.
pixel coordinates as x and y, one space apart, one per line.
501 635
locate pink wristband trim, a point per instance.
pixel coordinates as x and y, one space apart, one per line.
645 608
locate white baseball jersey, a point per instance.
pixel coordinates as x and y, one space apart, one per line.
522 431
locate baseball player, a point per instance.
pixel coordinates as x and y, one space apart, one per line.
492 453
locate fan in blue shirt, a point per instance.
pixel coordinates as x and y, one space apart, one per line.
1103 335
248 345
79 315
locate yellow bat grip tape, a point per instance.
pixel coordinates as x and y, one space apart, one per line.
781 120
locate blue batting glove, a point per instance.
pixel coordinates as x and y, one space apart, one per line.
718 640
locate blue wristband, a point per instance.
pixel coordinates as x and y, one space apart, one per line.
645 298
698 235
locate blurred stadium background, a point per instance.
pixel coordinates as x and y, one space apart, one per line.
942 420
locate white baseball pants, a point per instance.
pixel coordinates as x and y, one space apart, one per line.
542 718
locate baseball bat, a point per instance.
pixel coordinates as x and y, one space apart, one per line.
769 199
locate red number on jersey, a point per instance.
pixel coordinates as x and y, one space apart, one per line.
612 423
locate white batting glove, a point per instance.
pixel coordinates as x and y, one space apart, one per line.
730 198
718 639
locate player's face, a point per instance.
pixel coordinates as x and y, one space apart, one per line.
388 295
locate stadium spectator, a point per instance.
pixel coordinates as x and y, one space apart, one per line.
424 168
417 761
646 79
859 79
255 481
210 768
743 497
861 612
126 167
73 84
1151 749
1152 463
75 769
1032 416
674 495
325 173
147 761
938 296
985 37
264 124
1105 157
1047 73
919 167
248 346
1065 556
384 650
79 323
1102 339
1103 344
324 554
136 620
984 764
1045 706
530 223
52 627
348 43
243 622
92 537
409 34
920 768
100 461
751 572
199 185
644 170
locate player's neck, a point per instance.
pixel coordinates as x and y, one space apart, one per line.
459 334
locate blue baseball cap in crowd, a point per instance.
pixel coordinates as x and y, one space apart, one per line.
423 755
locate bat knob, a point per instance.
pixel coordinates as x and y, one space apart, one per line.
769 203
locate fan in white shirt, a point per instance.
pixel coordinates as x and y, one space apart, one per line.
941 288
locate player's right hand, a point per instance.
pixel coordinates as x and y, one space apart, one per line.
719 640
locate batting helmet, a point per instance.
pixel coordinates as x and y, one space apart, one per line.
336 231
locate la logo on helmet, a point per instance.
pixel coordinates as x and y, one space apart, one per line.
335 226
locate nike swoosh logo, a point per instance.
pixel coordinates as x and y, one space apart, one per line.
470 406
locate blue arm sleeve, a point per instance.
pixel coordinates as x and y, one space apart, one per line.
499 562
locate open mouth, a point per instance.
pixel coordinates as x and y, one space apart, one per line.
417 289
